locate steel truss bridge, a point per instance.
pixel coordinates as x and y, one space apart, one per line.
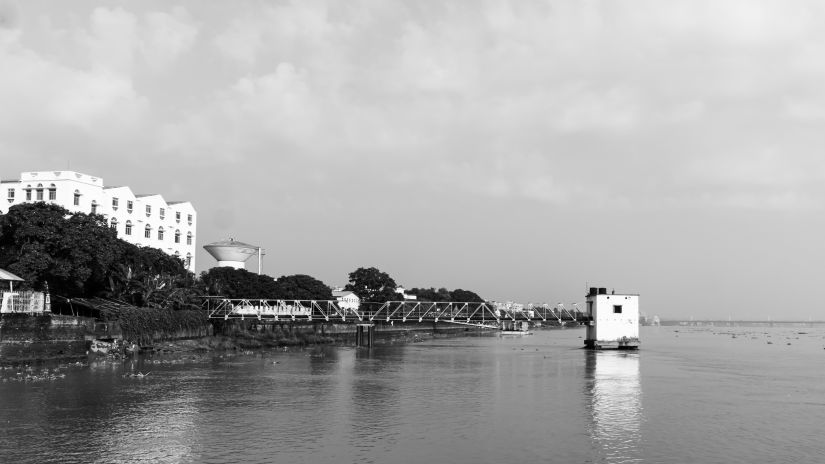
466 313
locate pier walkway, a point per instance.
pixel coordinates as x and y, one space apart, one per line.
465 313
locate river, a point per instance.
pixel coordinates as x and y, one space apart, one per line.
689 395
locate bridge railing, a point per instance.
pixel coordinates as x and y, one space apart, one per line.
391 311
226 308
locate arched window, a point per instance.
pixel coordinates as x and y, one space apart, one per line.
94 207
77 197
39 192
160 233
28 193
188 259
114 223
177 236
189 238
52 192
177 254
128 230
148 231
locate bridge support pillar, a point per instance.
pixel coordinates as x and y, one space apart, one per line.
365 335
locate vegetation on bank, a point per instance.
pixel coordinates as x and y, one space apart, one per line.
77 255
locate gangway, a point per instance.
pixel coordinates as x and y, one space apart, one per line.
479 314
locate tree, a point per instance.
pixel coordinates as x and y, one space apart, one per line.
46 243
301 287
78 255
466 296
442 294
238 283
372 285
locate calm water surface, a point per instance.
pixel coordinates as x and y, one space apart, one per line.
690 395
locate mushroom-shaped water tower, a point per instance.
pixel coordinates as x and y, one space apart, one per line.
231 253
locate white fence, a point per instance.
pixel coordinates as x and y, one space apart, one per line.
24 302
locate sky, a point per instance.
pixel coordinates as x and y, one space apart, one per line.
521 149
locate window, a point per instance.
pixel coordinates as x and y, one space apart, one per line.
148 210
128 230
76 197
94 207
617 309
28 193
148 231
177 254
162 213
52 192
177 236
189 238
129 206
188 259
160 233
114 203
177 216
11 195
39 192
114 223
189 219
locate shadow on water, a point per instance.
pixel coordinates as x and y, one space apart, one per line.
613 395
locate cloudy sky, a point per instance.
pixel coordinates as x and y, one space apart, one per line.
519 149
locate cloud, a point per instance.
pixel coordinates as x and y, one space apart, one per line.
116 38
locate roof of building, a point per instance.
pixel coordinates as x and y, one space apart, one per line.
141 195
6 275
232 243
176 202
342 293
9 180
113 187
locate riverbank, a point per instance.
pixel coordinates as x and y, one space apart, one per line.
32 339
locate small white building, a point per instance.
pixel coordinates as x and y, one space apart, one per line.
404 295
614 320
146 220
346 299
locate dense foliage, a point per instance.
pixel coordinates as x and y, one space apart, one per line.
442 294
372 285
240 283
145 325
302 287
78 255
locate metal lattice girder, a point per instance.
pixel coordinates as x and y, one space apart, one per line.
401 311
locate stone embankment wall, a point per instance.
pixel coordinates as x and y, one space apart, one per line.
255 334
24 337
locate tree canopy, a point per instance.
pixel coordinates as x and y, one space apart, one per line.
302 287
78 255
371 285
238 283
442 294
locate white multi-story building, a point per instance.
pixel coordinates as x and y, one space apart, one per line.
146 220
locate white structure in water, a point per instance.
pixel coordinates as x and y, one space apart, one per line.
614 320
145 220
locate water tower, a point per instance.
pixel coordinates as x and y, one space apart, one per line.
234 254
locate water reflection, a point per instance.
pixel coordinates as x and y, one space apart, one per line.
614 395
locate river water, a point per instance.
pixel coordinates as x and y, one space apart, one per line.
690 395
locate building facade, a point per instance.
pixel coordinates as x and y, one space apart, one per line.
145 220
614 320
